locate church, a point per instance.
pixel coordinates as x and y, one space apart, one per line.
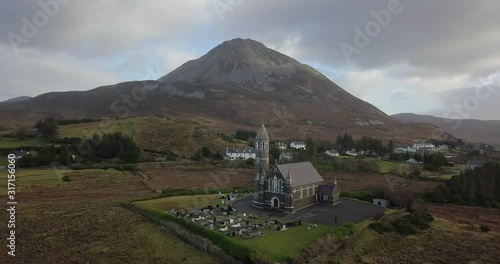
287 187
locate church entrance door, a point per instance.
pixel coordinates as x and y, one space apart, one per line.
275 202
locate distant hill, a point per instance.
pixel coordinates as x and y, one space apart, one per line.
16 99
472 130
238 84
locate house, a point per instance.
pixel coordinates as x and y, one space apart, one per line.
298 145
351 153
332 153
411 149
239 153
285 157
400 151
18 154
443 148
411 161
287 187
472 164
281 145
381 202
425 146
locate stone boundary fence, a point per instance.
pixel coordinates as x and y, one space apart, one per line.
194 240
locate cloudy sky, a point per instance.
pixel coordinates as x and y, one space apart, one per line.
432 57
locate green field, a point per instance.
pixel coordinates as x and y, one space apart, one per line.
388 166
32 178
180 202
279 246
15 143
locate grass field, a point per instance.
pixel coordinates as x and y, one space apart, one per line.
279 246
14 143
180 202
29 178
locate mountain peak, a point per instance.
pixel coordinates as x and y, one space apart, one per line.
236 61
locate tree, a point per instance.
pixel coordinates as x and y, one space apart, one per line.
48 128
205 151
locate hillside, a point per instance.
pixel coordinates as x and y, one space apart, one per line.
238 84
477 131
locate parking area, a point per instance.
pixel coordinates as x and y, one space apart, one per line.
347 210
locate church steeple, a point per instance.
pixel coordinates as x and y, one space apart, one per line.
261 164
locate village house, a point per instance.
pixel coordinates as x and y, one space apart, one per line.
281 145
239 153
472 164
332 153
287 187
351 153
19 154
298 145
285 157
425 146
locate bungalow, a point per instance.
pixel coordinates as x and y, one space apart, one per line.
351 153
332 153
472 164
18 154
298 145
400 151
285 157
425 146
443 148
239 153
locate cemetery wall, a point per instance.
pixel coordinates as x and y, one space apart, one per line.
195 240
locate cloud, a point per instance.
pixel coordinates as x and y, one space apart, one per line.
32 73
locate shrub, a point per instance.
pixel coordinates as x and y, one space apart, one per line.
381 227
66 178
378 216
404 226
484 228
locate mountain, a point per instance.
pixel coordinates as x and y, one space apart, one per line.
478 131
16 99
238 84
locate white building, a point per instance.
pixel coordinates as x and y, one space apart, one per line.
425 146
239 153
381 202
332 153
298 145
351 153
281 145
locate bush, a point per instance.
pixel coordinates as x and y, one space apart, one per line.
381 227
361 195
484 228
66 178
404 226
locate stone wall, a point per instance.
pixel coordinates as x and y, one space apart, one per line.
194 240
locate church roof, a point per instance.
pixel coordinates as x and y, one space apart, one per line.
302 173
262 133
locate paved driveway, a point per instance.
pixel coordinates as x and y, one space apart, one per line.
346 211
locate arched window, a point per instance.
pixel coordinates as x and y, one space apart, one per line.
280 185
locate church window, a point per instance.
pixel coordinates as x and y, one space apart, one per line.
280 185
275 184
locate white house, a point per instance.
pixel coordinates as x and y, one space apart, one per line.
411 149
285 157
239 153
351 153
332 153
281 145
443 148
298 145
400 150
425 146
